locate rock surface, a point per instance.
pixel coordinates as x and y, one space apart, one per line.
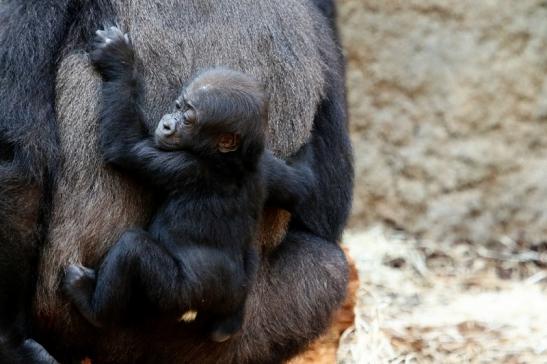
448 107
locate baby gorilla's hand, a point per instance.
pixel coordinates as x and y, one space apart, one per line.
113 53
110 35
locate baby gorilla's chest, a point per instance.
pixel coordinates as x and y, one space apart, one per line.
209 219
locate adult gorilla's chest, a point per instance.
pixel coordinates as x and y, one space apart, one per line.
276 41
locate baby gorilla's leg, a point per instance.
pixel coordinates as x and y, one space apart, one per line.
135 260
225 326
199 278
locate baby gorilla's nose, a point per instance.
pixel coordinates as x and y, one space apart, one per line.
166 135
168 127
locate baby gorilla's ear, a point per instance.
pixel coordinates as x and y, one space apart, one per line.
228 142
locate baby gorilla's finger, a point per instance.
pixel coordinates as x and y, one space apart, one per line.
101 35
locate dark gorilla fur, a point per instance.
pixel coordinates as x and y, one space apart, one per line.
60 205
207 159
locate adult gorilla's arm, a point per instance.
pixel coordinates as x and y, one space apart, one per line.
31 33
304 279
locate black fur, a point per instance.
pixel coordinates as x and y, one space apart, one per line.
198 252
328 9
298 285
28 159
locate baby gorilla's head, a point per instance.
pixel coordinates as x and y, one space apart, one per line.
220 111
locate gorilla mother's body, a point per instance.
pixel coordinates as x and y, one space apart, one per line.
55 190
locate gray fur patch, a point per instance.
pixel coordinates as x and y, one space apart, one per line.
93 204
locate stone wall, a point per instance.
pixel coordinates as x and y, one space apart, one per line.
448 107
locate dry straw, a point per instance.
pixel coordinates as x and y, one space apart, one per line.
429 302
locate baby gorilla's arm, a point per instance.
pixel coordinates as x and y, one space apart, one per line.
288 183
123 136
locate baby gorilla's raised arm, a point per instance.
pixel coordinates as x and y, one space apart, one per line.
123 136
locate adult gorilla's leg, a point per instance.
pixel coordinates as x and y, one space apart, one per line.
18 253
31 33
297 289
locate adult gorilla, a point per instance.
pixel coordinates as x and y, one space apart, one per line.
59 204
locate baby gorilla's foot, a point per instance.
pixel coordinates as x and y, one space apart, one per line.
79 285
113 53
79 281
226 328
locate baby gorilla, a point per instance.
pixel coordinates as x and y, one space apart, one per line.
207 158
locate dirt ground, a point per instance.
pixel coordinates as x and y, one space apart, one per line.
428 302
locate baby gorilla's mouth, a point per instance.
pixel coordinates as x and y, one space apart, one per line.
167 143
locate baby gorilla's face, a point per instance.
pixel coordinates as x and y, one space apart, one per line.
215 113
182 130
176 130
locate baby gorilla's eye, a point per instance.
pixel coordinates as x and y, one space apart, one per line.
189 117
